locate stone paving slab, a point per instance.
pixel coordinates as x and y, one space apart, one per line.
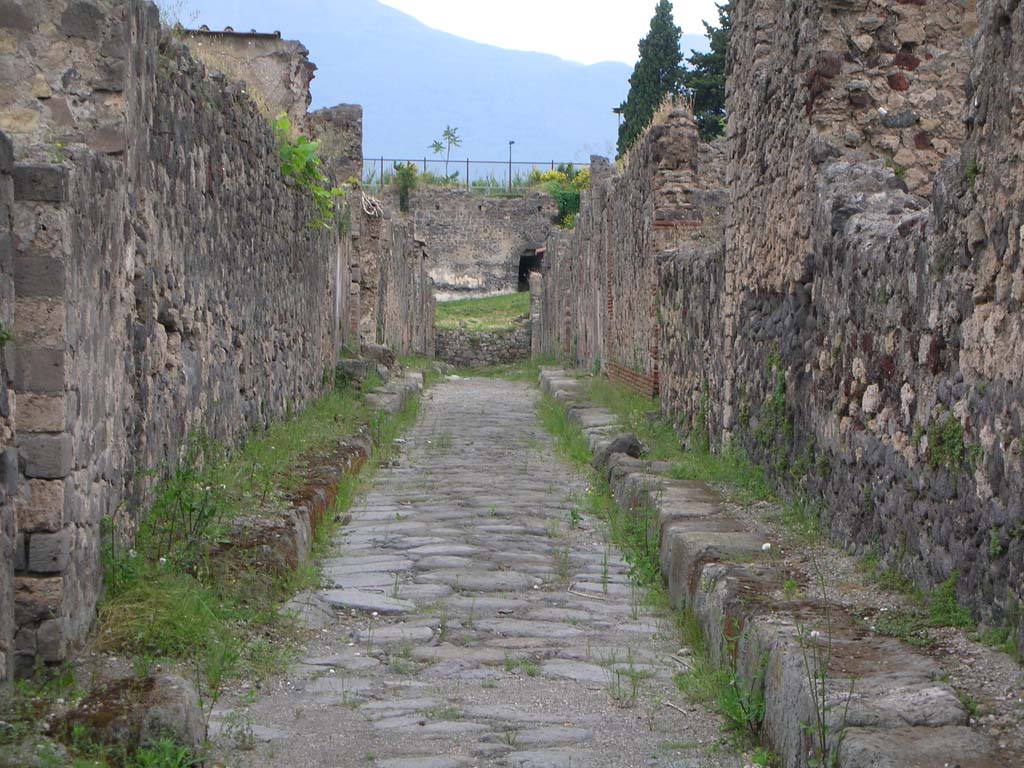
899 714
496 637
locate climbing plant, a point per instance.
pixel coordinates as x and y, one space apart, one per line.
300 161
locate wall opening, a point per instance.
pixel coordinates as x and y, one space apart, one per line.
529 261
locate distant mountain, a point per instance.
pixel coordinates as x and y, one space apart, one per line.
413 80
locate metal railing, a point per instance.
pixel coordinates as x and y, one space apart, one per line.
488 177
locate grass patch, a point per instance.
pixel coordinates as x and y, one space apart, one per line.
493 313
184 596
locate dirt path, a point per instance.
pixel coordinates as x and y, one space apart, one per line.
479 625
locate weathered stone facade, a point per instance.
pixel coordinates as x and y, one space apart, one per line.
475 349
277 72
601 282
476 242
339 130
164 281
855 320
10 476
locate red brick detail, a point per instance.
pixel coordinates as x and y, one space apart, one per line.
898 81
644 383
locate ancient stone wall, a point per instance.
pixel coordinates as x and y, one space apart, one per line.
166 279
475 349
396 296
601 283
855 322
10 476
476 242
277 72
339 130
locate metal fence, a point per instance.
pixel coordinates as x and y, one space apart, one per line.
488 177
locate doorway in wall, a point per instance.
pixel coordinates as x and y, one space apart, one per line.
529 261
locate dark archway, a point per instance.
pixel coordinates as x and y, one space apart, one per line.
530 261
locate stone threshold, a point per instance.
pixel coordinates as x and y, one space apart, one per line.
898 711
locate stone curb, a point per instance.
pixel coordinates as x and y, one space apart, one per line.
899 712
289 535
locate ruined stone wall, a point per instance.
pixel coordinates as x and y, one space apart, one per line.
475 242
9 474
601 283
163 283
339 130
474 349
395 305
277 72
855 323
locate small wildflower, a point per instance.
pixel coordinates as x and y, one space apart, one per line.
815 635
131 553
766 547
163 561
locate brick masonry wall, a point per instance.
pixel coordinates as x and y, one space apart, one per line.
474 349
164 282
475 242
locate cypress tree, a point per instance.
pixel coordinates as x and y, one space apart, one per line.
706 78
658 72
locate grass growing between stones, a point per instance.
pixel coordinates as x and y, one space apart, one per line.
182 598
493 313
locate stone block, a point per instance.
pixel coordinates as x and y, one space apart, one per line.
43 511
42 413
6 251
84 20
39 276
41 183
9 475
39 322
20 559
40 370
6 148
49 552
47 456
25 640
51 642
37 598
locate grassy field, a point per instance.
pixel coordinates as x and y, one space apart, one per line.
494 313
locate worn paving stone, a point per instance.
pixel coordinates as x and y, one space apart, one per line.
483 652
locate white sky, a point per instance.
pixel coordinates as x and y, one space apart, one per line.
586 31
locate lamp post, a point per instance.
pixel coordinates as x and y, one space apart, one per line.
510 143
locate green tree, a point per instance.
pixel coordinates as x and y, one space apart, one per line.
657 74
449 138
706 77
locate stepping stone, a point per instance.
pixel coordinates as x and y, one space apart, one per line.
396 633
482 581
350 660
366 601
575 670
547 630
549 758
449 652
310 611
421 762
553 737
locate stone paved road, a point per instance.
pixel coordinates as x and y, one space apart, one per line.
504 635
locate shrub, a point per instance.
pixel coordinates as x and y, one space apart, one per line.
406 179
299 161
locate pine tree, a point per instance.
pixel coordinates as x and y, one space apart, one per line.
706 79
658 73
